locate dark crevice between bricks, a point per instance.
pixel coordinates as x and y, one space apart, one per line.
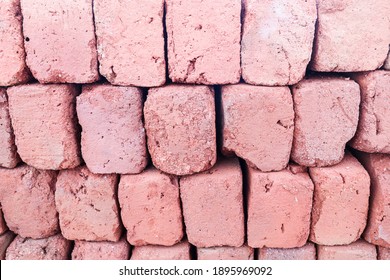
242 17
71 247
94 33
218 119
185 237
144 97
256 253
116 198
193 252
78 128
32 78
168 80
245 193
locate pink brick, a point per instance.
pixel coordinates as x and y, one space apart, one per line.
204 45
180 251
258 124
225 253
12 55
306 252
326 118
351 35
44 123
8 155
60 41
3 225
383 253
359 250
87 205
277 40
27 199
279 206
103 250
52 248
213 205
5 240
113 136
180 126
135 54
373 133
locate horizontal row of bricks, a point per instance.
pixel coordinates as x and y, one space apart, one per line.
265 42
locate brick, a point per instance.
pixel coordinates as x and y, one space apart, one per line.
113 135
44 123
12 56
359 250
180 127
225 253
258 125
326 118
340 204
180 251
204 46
135 54
87 205
103 250
8 155
271 53
373 132
52 248
306 252
212 204
279 206
27 199
383 253
60 43
3 225
150 208
5 239
339 47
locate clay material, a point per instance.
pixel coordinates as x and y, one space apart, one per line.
359 250
306 252
180 251
3 225
103 250
225 253
5 239
383 253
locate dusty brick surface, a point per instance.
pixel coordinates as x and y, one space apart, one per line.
351 35
102 250
180 127
383 253
279 206
113 135
87 205
135 54
3 225
27 199
258 125
204 45
44 122
60 41
306 252
5 239
373 132
359 250
180 251
213 205
277 40
225 253
326 118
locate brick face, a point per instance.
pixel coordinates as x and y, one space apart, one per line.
306 252
359 250
180 251
102 250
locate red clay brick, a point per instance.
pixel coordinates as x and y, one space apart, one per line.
180 251
27 199
306 252
225 253
44 123
3 225
383 253
326 118
113 135
87 205
277 40
213 205
103 250
204 45
359 250
351 35
180 126
279 206
135 54
60 41
258 125
5 240
150 208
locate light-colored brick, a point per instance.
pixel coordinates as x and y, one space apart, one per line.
102 250
359 250
180 251
225 253
306 252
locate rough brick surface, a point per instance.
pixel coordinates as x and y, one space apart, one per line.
351 35
180 126
87 205
326 118
44 123
52 248
383 253
373 132
8 154
277 40
12 55
102 250
306 252
180 251
135 54
213 206
225 253
3 225
204 45
279 206
27 199
258 124
5 239
60 41
359 250
150 208
113 136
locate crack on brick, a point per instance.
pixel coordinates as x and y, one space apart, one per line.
288 61
378 129
282 123
268 186
343 110
112 73
94 208
282 228
342 178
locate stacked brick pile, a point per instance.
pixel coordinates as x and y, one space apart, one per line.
195 129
